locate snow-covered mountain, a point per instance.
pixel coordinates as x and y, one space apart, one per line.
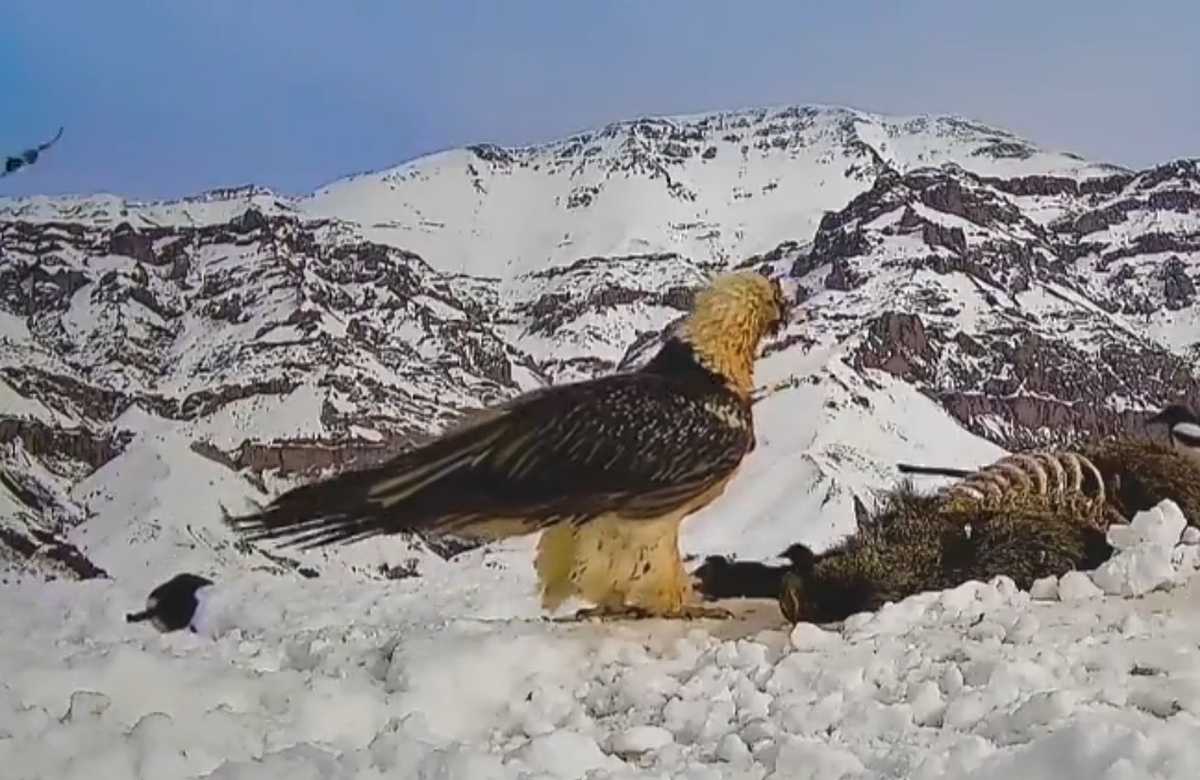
966 291
714 187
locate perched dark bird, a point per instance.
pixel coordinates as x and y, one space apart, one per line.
607 469
172 605
721 577
1182 427
16 162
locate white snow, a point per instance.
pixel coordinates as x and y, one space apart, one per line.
1145 553
449 676
109 210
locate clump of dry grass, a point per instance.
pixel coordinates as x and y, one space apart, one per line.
914 543
1139 474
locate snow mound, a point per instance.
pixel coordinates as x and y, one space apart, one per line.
445 679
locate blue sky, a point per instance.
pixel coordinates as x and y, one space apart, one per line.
161 99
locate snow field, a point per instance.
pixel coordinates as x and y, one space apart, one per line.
1087 676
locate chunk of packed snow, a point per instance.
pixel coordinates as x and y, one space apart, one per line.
1160 526
1136 571
642 739
806 636
1144 557
1186 558
1077 586
1044 589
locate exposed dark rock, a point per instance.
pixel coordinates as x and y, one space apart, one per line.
126 241
898 344
75 444
1178 288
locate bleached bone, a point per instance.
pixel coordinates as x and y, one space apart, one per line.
1031 473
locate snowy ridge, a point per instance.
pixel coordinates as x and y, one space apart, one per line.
107 210
714 187
982 681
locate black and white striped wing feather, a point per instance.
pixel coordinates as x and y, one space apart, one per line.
638 444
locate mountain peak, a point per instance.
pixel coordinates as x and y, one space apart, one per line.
658 184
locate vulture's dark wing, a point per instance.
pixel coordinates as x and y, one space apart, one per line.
638 443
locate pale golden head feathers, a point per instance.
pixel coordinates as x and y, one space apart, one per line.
729 319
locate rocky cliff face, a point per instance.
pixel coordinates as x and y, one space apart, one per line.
355 349
1028 328
274 343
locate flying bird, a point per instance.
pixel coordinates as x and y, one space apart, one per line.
16 162
606 469
1183 428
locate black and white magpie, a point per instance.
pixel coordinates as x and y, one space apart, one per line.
172 606
1183 427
